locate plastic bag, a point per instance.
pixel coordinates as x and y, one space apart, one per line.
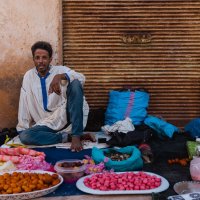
134 162
124 104
162 127
193 128
141 134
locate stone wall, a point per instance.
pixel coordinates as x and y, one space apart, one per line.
22 23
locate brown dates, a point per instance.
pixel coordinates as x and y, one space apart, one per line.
70 164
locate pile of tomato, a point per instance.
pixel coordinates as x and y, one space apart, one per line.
122 181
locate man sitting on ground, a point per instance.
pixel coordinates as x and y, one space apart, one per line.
48 108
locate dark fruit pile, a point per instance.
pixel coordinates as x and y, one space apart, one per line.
117 156
70 164
71 171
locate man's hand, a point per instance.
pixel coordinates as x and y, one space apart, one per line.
76 144
55 84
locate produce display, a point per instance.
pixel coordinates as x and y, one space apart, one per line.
18 182
70 165
25 159
7 166
15 154
117 156
70 170
91 167
123 181
181 161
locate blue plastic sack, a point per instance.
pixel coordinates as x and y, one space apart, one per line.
162 127
124 104
193 128
134 162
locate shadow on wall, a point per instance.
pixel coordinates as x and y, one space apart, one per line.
9 98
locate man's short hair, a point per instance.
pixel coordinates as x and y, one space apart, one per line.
42 45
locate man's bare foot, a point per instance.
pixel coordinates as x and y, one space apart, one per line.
88 136
85 136
76 144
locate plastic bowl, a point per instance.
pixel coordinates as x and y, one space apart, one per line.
70 169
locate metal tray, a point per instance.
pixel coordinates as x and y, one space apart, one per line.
186 187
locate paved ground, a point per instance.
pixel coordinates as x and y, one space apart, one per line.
95 197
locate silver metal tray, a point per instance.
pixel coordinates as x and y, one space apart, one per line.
185 187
